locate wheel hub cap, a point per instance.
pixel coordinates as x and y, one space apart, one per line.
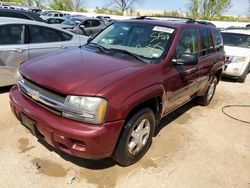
139 137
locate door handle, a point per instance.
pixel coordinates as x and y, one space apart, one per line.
63 47
18 50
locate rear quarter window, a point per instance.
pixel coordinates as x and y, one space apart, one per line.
207 42
218 41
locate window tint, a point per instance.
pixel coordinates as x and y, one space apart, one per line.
43 34
218 40
87 23
14 15
66 36
95 23
12 34
207 44
236 39
188 43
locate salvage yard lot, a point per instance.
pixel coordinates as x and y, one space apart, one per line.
193 147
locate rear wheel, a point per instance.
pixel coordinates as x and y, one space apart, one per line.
207 98
136 138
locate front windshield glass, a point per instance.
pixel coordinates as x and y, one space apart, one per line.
71 21
144 40
237 40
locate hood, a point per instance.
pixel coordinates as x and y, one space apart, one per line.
78 71
64 26
237 51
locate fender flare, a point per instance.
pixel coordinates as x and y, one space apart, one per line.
141 96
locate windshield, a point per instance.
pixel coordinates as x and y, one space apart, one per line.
72 21
144 40
237 40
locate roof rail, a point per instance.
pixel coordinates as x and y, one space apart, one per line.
188 20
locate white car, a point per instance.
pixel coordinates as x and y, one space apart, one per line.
22 39
237 48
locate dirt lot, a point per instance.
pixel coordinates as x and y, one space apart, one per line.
194 147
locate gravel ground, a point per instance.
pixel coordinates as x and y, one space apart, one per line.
193 147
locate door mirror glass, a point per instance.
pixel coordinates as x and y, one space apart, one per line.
186 59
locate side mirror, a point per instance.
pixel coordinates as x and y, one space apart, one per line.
186 59
82 26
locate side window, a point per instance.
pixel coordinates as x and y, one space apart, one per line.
43 34
188 43
95 23
87 23
207 43
217 40
12 34
65 36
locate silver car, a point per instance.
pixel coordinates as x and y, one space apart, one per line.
22 39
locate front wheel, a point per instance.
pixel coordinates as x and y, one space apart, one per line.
136 138
206 99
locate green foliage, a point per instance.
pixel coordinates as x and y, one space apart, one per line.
66 5
108 11
169 13
15 1
207 9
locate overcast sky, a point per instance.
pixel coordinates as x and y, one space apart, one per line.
239 6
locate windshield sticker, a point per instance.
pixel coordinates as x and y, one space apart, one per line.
163 29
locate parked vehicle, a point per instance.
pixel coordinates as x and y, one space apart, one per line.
70 23
20 14
53 14
35 10
54 20
88 26
237 47
24 39
106 98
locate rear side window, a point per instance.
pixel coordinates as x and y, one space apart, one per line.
218 41
206 40
188 43
43 34
95 23
14 15
65 36
12 34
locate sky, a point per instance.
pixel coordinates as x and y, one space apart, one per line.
239 8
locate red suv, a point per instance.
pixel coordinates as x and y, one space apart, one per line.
106 98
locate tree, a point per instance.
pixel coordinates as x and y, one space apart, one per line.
123 5
193 9
78 4
66 5
38 3
207 9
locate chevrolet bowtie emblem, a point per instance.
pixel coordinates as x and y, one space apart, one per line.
34 95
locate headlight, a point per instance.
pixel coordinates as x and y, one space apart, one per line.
18 76
238 59
85 109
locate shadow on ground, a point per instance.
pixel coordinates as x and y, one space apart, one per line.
5 89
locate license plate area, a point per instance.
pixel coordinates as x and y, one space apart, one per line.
28 123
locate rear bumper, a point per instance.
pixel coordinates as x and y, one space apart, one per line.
75 138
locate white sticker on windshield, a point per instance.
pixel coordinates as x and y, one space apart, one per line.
163 29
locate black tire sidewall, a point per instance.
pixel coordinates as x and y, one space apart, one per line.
121 154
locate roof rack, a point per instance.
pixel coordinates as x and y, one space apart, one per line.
175 18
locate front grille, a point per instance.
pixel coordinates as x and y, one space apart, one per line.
47 99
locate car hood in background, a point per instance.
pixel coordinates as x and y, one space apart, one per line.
237 51
78 71
64 26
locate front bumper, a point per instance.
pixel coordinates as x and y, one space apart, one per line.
233 70
75 138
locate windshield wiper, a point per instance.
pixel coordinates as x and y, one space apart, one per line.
127 53
100 47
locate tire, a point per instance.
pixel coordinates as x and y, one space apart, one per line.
242 79
207 98
127 152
